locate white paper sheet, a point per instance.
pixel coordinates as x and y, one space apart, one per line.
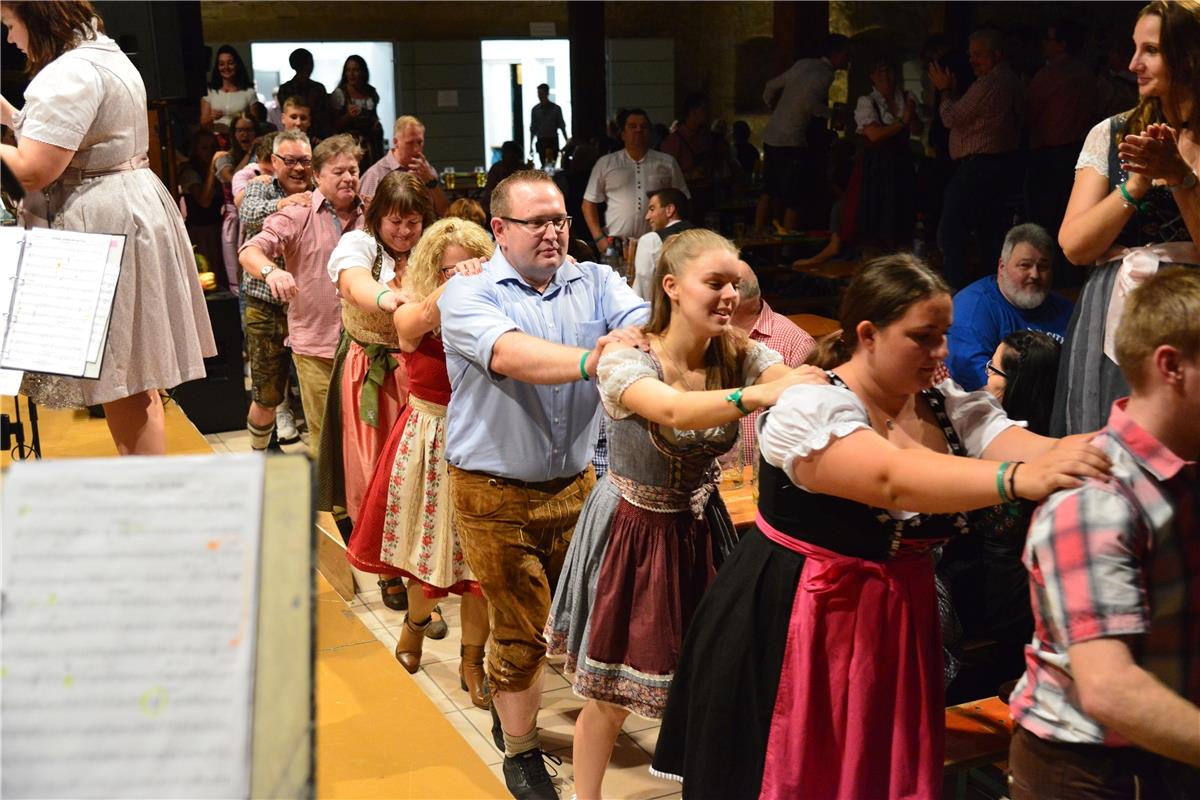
57 322
11 239
128 626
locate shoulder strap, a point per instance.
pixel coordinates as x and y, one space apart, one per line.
377 267
937 404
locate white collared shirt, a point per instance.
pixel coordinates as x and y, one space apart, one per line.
625 185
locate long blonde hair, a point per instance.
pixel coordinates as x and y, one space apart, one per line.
723 357
424 270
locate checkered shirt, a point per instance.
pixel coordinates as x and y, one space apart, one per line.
259 201
793 343
1117 558
600 458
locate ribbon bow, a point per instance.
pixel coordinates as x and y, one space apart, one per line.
382 362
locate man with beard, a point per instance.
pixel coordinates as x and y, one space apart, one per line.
1016 298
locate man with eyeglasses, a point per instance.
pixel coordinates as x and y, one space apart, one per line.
1017 297
264 316
523 339
304 238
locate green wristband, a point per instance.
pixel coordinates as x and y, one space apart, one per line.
1004 498
735 397
1138 205
379 296
583 360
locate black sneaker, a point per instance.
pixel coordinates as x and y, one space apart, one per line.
526 776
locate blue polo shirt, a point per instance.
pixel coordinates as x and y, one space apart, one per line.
506 427
983 317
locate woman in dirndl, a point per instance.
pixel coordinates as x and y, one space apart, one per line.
814 667
407 523
369 385
1135 206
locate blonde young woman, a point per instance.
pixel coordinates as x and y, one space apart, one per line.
406 525
654 529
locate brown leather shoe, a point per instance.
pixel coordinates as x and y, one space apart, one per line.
471 675
408 646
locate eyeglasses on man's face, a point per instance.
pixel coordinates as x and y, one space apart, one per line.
994 370
538 226
290 162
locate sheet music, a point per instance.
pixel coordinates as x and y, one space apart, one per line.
108 290
128 626
56 310
11 240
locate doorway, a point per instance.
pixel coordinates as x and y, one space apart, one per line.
270 61
512 70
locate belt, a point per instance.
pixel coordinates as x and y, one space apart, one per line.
74 175
550 486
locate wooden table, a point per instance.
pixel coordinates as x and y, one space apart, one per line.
742 501
815 325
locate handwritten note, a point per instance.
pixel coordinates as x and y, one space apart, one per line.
128 626
62 301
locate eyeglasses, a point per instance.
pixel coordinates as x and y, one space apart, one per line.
537 226
290 162
992 368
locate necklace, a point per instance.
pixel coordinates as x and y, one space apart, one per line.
683 373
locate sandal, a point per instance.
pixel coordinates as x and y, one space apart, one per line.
396 601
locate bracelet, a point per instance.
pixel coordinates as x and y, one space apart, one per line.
1012 481
1128 201
583 360
735 397
1004 498
379 296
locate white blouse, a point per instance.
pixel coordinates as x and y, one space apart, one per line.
1095 148
873 109
226 104
808 418
358 249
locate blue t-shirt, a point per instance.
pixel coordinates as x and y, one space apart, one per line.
983 317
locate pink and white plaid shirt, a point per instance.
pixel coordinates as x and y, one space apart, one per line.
793 343
1115 558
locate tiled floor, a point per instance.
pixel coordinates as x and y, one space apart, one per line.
628 776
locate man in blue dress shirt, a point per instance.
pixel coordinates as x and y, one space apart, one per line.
522 340
1016 298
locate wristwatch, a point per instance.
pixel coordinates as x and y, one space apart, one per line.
1189 182
267 270
431 183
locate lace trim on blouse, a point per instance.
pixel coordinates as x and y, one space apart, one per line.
1095 148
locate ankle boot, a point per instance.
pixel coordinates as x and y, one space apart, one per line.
408 646
471 675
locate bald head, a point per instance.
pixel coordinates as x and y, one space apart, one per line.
749 298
